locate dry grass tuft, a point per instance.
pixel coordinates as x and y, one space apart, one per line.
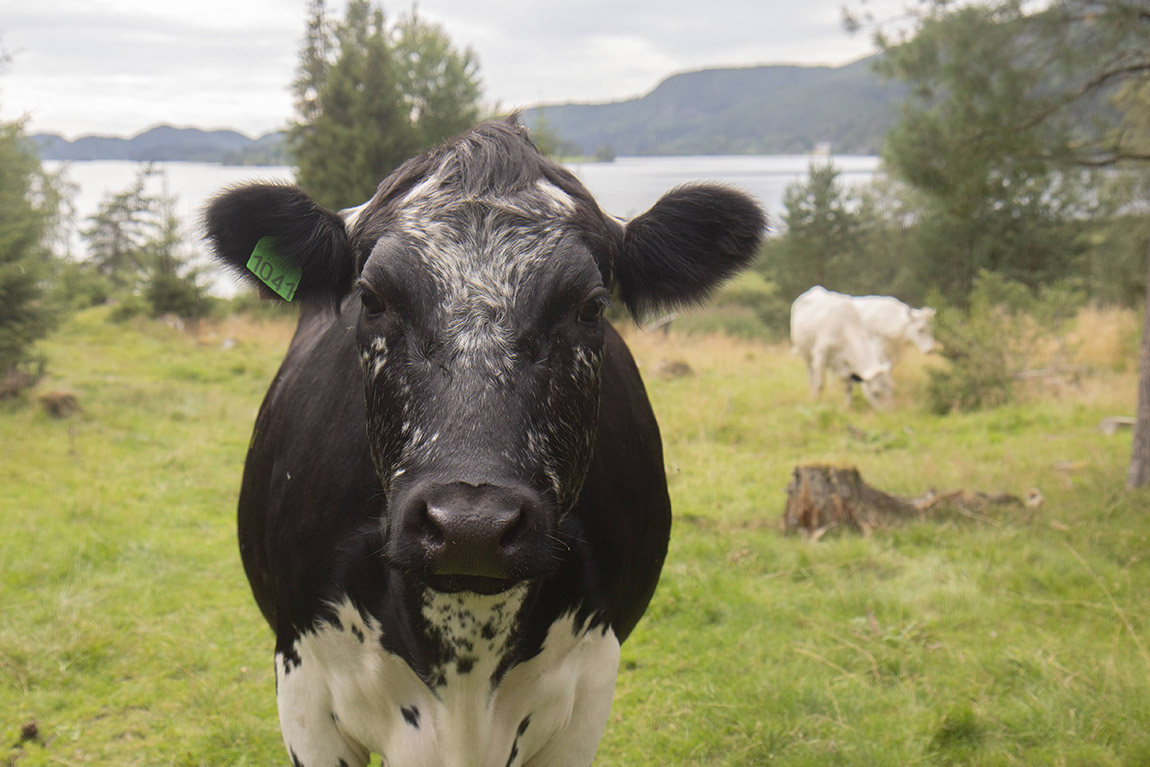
1106 339
275 331
702 351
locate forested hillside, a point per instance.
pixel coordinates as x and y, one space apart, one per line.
755 110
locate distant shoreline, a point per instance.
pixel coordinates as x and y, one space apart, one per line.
165 143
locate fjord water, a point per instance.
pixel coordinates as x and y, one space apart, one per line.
624 188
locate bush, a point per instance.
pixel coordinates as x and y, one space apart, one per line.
169 293
737 321
749 306
249 303
128 308
976 345
22 375
79 286
1005 329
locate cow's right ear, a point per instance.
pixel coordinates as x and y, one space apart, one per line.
303 238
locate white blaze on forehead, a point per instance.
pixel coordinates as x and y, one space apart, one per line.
423 189
481 252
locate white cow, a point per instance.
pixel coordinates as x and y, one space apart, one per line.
895 324
828 332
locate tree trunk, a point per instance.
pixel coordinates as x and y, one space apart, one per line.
821 497
1139 474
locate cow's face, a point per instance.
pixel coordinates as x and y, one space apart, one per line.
478 276
877 385
918 330
480 334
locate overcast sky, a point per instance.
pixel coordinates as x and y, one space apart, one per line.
117 67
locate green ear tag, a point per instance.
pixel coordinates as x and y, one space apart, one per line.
274 272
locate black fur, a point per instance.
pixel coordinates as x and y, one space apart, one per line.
306 234
682 248
583 517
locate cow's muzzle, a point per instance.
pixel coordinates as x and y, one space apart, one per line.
459 536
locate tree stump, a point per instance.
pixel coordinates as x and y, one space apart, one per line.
821 497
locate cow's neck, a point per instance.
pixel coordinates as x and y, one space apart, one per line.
474 634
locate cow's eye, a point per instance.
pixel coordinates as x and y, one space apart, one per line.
372 303
591 310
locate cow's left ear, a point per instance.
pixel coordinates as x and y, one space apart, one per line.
692 239
306 245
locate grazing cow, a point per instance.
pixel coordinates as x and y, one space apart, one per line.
454 506
828 333
895 324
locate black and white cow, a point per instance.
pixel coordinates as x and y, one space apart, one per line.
454 506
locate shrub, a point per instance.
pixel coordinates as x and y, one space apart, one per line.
732 320
129 307
975 344
749 306
78 286
170 293
1005 329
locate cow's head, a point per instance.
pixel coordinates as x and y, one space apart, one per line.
476 279
877 385
918 331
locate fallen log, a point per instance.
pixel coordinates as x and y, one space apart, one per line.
822 497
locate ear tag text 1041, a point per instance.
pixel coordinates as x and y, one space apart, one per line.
273 271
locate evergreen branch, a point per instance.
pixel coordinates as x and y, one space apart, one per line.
1091 85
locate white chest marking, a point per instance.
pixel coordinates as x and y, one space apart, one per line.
343 696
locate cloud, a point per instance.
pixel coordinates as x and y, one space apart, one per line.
120 66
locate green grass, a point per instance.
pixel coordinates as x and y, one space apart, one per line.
129 636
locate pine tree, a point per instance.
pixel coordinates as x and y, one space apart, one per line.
1138 474
120 232
369 96
134 242
440 85
172 285
314 63
1009 108
28 206
356 132
821 234
1009 104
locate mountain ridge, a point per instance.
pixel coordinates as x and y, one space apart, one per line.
162 143
765 109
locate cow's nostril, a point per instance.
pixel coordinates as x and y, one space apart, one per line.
430 519
514 530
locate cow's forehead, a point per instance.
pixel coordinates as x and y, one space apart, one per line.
487 240
443 189
484 251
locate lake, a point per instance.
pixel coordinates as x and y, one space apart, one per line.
623 188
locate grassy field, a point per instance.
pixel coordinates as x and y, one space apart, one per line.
128 636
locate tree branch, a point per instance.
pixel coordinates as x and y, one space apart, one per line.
1103 78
